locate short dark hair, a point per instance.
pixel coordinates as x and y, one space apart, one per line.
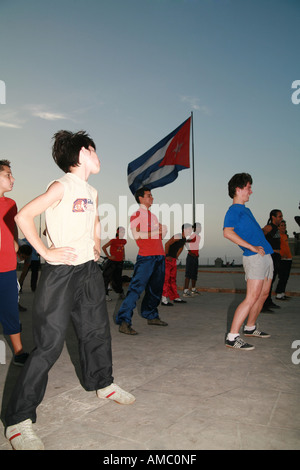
118 231
66 148
239 180
140 193
197 225
184 226
4 163
273 213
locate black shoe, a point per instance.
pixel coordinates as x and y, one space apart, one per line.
179 301
272 305
266 310
239 343
167 304
256 333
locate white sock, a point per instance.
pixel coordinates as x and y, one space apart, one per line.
185 290
164 300
249 328
232 336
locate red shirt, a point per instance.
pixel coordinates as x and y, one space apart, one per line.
8 257
117 248
146 222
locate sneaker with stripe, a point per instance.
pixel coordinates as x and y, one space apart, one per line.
256 333
22 436
239 343
117 394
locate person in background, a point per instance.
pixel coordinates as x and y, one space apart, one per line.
192 262
33 265
272 235
113 268
9 291
173 249
23 256
285 264
149 269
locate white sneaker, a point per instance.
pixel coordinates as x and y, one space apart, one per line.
195 292
23 437
117 394
187 294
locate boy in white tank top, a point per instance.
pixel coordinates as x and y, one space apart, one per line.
71 286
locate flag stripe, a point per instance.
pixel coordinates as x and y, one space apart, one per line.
159 166
156 158
160 173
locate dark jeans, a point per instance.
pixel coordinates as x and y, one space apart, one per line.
64 292
148 276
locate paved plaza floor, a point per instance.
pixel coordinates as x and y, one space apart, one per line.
192 392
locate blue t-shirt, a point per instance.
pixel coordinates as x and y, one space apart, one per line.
241 219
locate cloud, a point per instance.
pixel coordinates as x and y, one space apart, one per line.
10 125
15 119
47 115
10 119
50 116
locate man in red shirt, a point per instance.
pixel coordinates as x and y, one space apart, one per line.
9 311
149 269
113 268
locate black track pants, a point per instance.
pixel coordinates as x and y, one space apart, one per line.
64 292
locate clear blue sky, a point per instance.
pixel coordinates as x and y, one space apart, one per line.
130 71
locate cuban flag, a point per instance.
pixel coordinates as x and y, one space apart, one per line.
160 165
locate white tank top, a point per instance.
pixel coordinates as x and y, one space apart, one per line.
71 222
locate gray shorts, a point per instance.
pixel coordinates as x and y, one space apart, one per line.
258 267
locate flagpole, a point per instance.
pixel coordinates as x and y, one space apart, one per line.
193 175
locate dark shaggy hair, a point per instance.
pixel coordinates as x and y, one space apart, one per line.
239 180
4 163
66 148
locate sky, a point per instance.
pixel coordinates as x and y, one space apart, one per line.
130 72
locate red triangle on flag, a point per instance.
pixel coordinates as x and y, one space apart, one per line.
178 151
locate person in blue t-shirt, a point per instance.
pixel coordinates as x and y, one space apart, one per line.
241 228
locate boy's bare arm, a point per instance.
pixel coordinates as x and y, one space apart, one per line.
25 221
